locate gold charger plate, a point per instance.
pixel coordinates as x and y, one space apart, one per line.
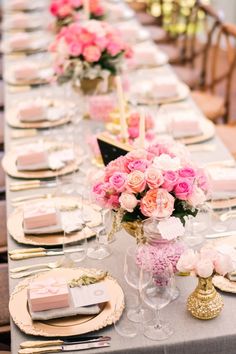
10 167
224 284
13 120
208 132
70 326
15 226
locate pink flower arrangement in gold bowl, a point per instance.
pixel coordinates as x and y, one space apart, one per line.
140 180
69 11
89 54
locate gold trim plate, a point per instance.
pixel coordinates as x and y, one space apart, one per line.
224 284
65 327
15 227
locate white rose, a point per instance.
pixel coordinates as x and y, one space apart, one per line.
128 201
167 163
223 264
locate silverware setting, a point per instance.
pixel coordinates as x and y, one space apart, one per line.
201 147
221 234
34 184
15 202
75 340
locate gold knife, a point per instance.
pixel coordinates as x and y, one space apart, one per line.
53 342
64 348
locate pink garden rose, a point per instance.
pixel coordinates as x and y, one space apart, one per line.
223 264
138 154
170 180
183 189
118 181
118 165
136 182
92 53
149 203
197 197
154 177
128 202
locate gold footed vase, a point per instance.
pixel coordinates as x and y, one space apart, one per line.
90 87
205 302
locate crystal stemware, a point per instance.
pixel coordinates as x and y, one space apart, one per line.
132 277
157 294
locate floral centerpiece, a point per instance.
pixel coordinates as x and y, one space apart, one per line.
89 54
137 182
69 11
205 303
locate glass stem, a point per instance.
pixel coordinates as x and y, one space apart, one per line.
139 307
157 319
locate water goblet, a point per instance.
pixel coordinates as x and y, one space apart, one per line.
132 277
74 248
157 294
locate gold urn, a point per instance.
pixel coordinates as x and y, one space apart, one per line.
205 302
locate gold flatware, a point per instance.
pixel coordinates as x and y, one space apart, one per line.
23 133
28 273
201 147
64 348
74 340
20 200
220 234
51 265
27 250
32 185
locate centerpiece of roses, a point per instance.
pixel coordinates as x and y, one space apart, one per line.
158 183
69 11
88 54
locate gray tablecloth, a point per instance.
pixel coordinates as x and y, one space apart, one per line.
191 336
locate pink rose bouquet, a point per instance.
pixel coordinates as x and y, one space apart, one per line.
152 182
205 262
69 11
88 50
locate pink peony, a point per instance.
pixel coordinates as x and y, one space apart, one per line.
139 165
183 189
115 47
91 53
204 268
133 132
154 177
136 182
187 261
118 181
170 180
128 202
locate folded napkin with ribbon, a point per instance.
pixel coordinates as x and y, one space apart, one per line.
24 41
54 298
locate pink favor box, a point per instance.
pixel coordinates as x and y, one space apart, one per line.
164 90
48 294
32 112
223 179
100 106
39 215
191 126
26 72
33 156
20 41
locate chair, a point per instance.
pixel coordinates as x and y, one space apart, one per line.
138 5
1 94
215 105
2 177
3 229
227 133
203 23
1 131
4 294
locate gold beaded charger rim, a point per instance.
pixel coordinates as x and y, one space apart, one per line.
15 225
13 120
9 163
64 327
224 284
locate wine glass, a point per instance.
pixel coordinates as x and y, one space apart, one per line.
220 212
132 275
74 248
157 294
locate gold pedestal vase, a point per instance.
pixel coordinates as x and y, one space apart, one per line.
205 302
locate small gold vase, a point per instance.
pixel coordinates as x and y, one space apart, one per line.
92 86
205 302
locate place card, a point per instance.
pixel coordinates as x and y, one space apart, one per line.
87 295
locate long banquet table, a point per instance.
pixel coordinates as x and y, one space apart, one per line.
193 336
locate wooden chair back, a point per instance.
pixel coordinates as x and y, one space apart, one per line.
225 44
